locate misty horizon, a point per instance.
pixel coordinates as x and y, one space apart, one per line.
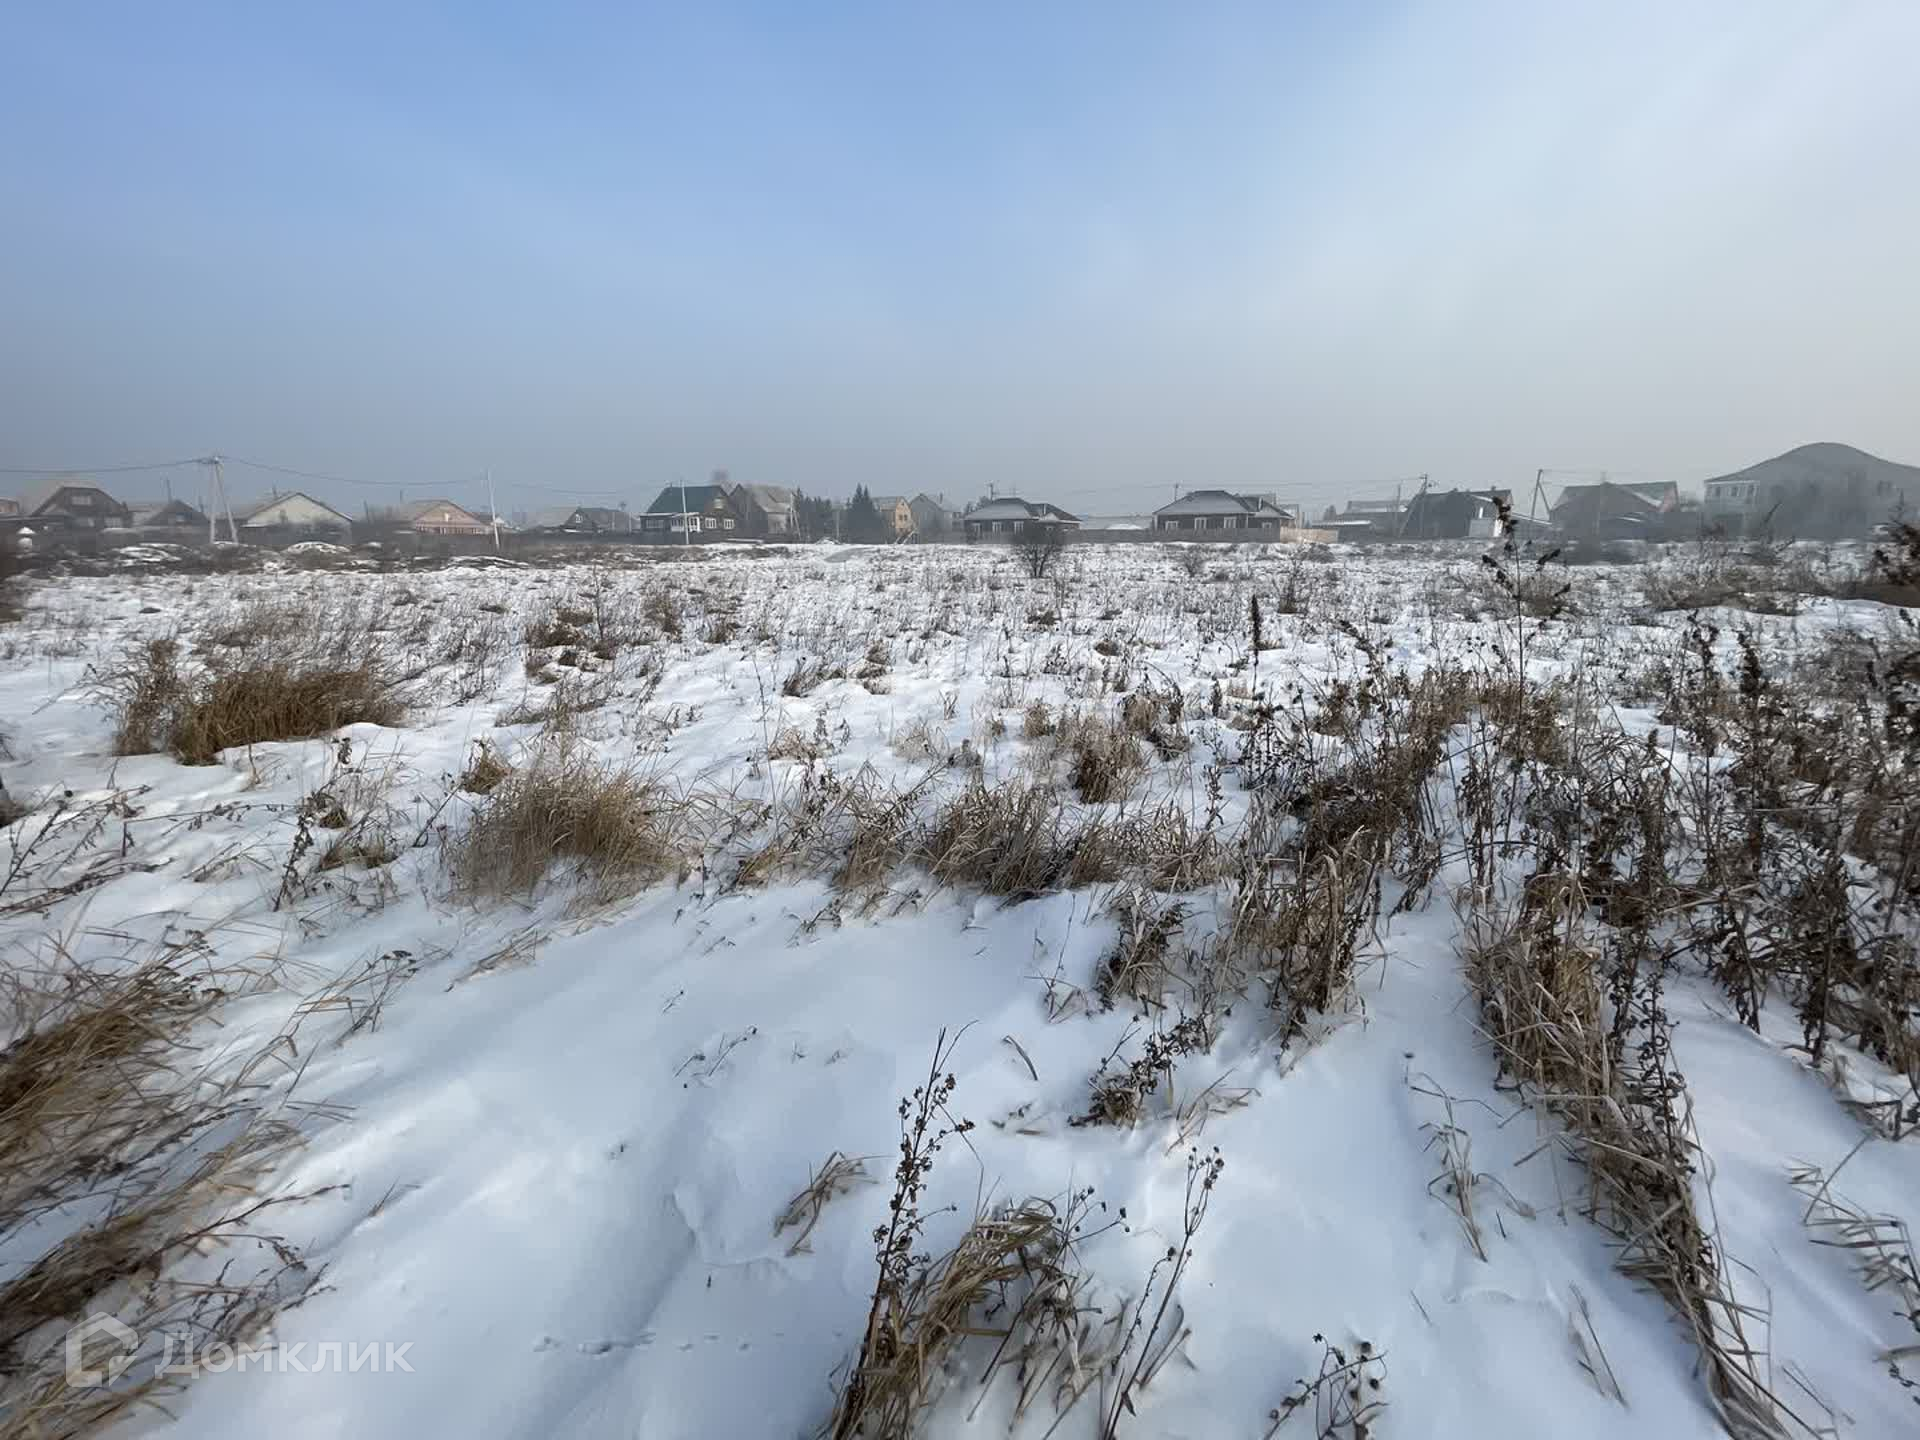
1087 255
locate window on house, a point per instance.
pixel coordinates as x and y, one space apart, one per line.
727 524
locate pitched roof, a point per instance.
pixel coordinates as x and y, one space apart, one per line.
1827 463
674 498
1220 502
155 512
1645 494
887 502
415 509
768 497
554 517
34 496
246 515
1009 508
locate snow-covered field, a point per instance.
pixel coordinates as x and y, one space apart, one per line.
541 1139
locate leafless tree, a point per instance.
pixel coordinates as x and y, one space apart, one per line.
1038 546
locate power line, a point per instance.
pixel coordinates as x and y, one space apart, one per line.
400 484
308 474
104 469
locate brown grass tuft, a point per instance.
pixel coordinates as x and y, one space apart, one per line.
620 829
241 699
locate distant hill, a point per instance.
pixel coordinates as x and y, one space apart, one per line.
1824 491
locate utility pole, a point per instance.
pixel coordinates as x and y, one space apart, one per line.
1407 514
219 504
493 509
685 538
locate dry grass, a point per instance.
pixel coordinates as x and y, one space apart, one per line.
74 1085
1629 1125
1138 969
1015 1261
1104 757
130 1184
834 1178
619 829
485 770
1302 933
240 699
1017 840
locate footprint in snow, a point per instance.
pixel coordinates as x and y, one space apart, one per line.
595 1347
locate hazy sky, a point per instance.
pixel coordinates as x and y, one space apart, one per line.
1084 252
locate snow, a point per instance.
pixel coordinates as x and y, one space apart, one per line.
552 1165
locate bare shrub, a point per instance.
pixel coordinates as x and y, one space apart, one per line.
1121 1091
1038 547
1346 1396
1150 1343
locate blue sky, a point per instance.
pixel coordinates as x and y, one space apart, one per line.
1090 251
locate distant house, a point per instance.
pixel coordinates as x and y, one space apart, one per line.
582 520
168 517
72 505
1453 515
1815 492
896 514
932 520
710 514
294 516
440 517
1609 511
9 508
1200 511
1367 520
767 510
1010 519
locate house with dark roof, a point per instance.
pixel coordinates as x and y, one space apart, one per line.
168 517
1222 511
1453 515
72 504
582 520
1641 510
1011 519
692 513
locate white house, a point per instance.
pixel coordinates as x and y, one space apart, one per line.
295 514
